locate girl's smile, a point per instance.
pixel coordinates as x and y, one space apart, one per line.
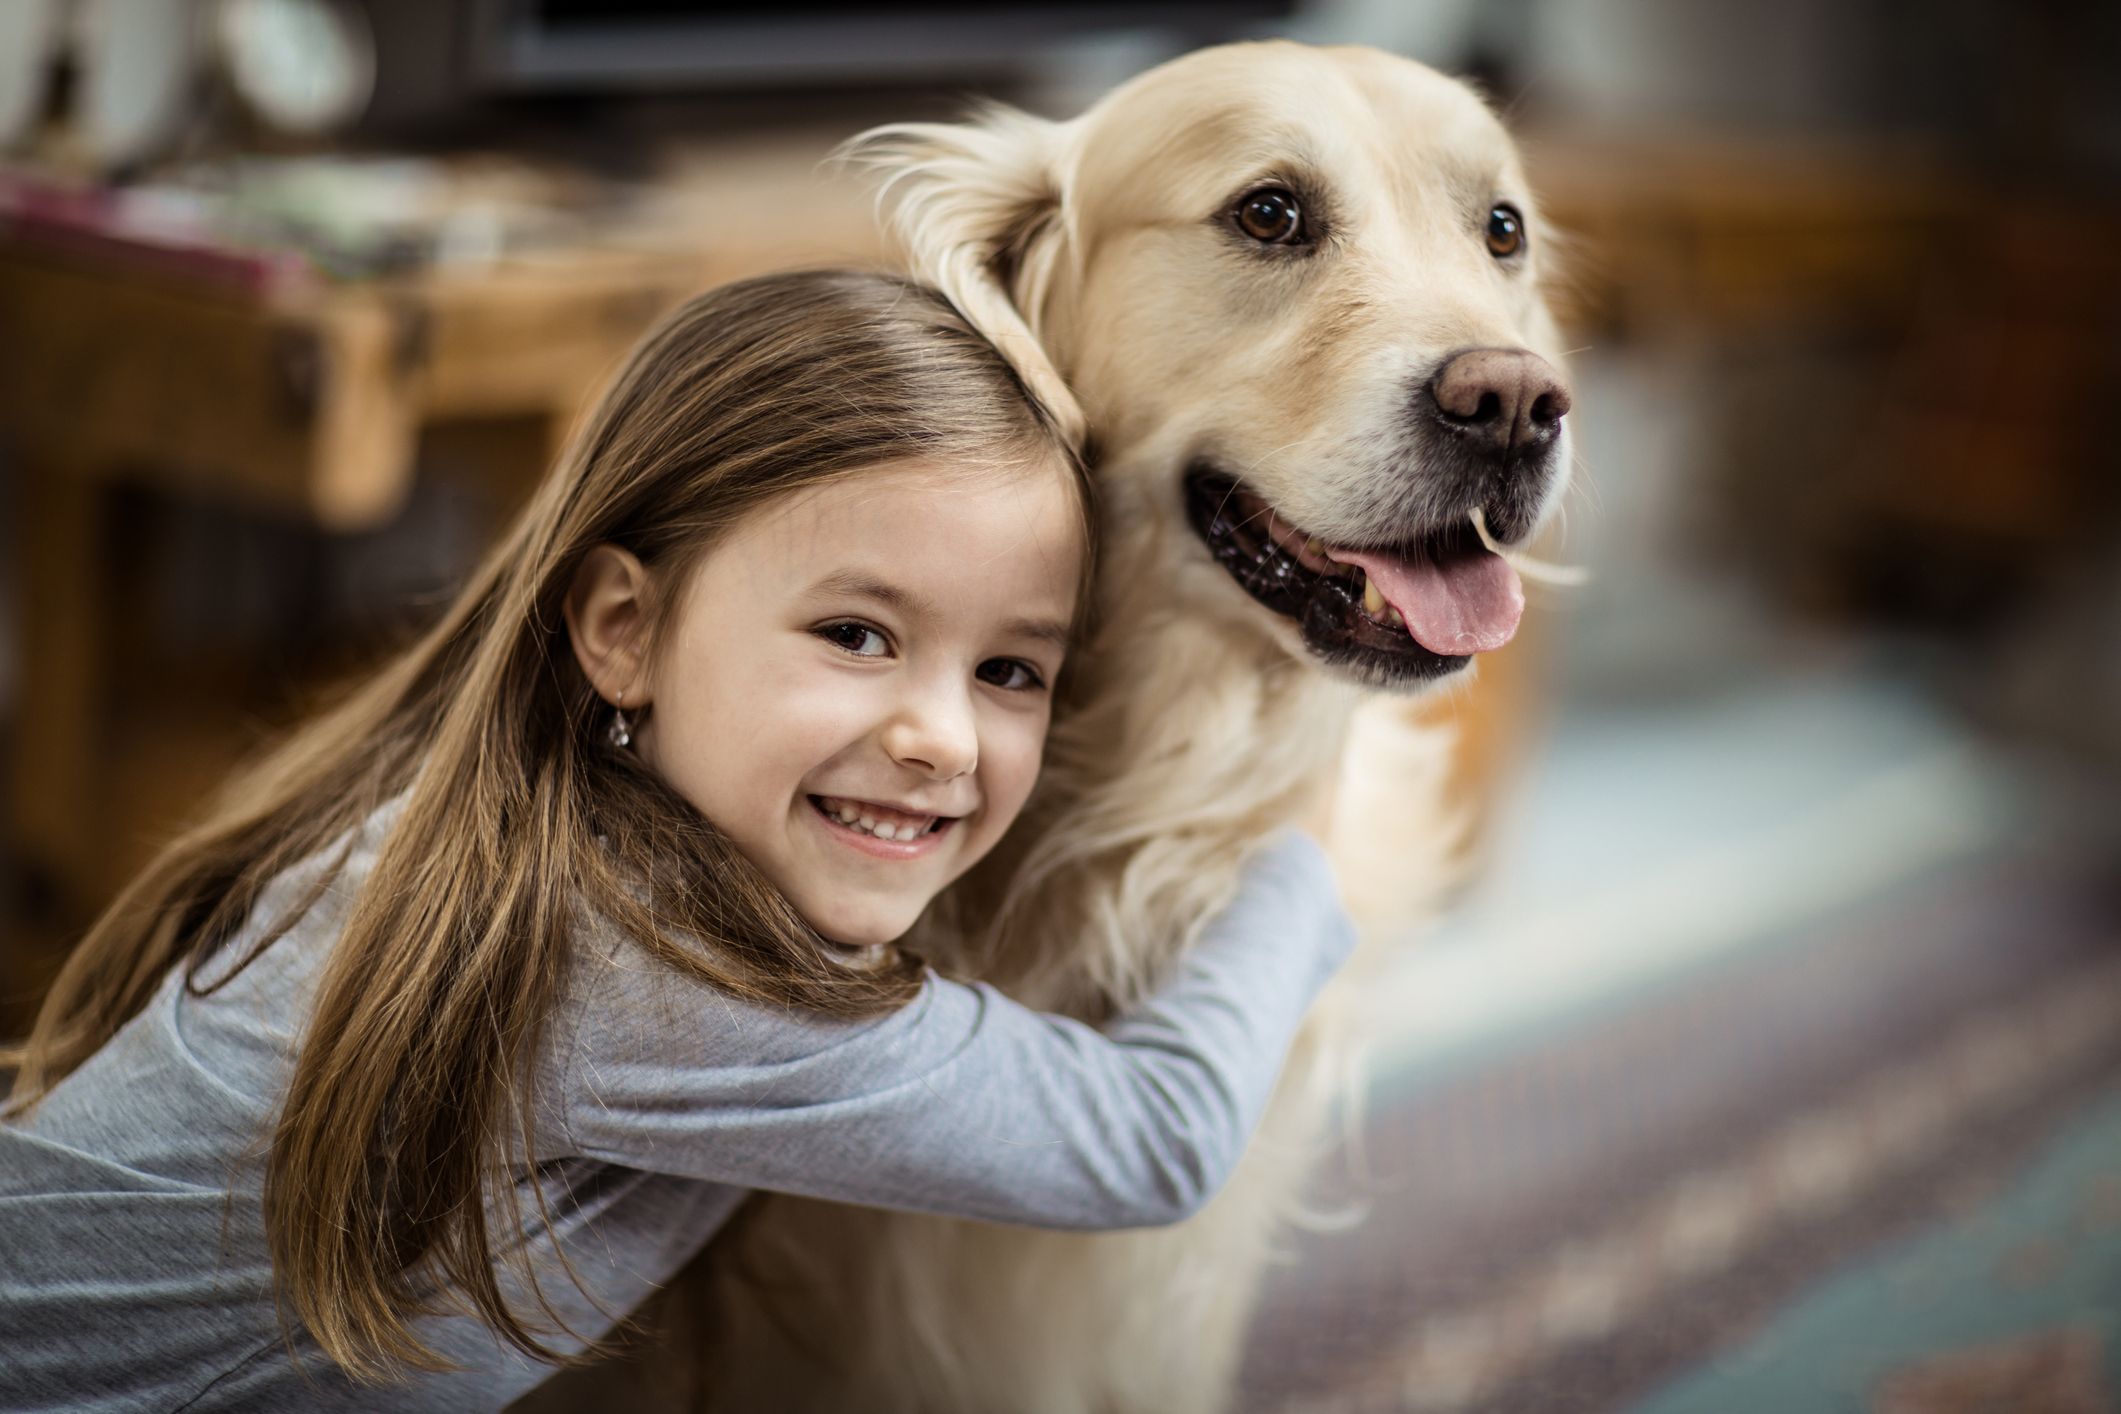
855 682
881 824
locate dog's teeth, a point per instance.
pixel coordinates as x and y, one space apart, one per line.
1372 601
1316 546
1392 617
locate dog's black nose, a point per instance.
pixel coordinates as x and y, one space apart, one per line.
1509 401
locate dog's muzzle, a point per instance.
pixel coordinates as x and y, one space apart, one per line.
1402 610
1486 431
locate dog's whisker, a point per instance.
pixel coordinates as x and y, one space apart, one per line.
1261 460
1526 565
1222 508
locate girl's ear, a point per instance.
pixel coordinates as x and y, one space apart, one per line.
979 207
607 612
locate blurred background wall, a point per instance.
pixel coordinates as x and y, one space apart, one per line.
1808 795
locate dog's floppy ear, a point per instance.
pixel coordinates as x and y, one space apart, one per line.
977 207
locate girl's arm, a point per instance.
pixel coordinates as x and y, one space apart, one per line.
964 1102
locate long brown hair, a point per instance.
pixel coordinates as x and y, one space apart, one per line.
407 1116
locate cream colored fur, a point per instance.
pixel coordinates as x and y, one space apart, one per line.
1197 723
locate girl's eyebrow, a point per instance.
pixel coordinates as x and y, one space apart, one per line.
855 584
1055 633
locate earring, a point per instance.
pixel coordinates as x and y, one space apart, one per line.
620 732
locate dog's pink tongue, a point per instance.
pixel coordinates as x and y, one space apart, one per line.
1470 605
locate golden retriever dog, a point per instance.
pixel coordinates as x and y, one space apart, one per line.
1294 296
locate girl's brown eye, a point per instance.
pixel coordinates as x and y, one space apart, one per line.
1505 232
1271 215
858 639
1009 673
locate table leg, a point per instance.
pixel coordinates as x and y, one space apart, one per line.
56 784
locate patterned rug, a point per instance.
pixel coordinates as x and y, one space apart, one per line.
1871 1166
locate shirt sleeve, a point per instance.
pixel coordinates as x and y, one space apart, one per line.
964 1102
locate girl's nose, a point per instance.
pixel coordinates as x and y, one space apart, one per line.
934 734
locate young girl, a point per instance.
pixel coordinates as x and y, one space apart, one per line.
466 1018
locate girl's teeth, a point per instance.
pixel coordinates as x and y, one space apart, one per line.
851 815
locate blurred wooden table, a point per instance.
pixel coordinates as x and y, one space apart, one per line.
309 402
1678 238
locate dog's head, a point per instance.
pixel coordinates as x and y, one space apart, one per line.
1295 294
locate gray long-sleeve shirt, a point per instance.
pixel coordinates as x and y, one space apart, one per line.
134 1272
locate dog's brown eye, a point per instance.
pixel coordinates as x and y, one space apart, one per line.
1505 232
1271 215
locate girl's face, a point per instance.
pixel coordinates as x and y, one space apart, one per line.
857 682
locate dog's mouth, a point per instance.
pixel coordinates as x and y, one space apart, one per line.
1399 613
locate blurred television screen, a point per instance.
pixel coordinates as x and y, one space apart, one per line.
548 45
